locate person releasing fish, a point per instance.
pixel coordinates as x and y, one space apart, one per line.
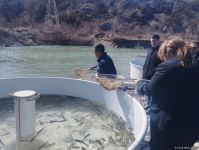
105 63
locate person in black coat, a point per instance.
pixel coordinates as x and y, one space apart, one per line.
174 120
152 60
105 63
174 115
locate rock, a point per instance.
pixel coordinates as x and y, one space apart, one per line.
100 35
106 26
18 38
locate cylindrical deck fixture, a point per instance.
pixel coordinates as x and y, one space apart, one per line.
24 106
136 69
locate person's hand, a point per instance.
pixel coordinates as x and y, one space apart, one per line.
134 82
139 86
92 68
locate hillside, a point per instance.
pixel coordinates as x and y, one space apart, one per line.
84 22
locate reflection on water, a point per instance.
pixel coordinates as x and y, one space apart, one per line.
67 123
58 61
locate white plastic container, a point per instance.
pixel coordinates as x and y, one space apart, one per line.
136 69
24 106
118 101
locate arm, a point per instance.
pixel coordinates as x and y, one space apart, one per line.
101 67
104 67
146 88
145 66
94 67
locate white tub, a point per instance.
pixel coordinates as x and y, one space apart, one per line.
121 103
136 69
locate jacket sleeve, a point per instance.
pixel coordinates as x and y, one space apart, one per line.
145 66
101 67
146 88
106 67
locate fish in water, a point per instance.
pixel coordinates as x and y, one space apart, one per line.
38 132
42 145
31 140
1 142
40 122
80 141
83 148
87 136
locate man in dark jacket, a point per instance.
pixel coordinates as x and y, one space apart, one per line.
152 61
105 63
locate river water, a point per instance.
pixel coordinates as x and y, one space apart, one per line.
58 61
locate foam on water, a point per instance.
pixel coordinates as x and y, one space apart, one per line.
67 123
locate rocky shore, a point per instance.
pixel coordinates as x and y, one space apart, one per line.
9 38
18 38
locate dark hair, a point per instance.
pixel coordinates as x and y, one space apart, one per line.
186 57
155 36
99 47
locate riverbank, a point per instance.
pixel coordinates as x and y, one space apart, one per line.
9 38
26 37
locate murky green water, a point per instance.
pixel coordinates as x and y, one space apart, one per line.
58 61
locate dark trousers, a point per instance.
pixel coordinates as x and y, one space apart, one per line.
172 137
149 101
158 138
